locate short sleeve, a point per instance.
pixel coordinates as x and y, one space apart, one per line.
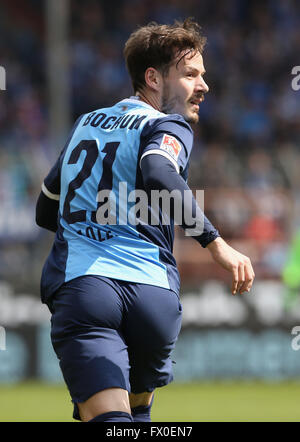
51 184
171 137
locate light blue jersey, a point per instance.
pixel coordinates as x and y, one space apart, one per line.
103 154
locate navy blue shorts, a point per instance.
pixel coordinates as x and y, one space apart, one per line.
111 333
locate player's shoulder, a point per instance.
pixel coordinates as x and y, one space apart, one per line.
172 124
173 120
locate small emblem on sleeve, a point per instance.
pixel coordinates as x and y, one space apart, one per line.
170 145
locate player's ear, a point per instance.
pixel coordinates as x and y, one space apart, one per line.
153 79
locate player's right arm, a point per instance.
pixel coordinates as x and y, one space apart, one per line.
235 262
158 174
161 169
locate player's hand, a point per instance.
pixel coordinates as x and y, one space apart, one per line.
239 265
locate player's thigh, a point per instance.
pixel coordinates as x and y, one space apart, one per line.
152 318
153 321
85 333
85 302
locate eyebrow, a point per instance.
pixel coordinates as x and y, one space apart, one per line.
190 51
193 68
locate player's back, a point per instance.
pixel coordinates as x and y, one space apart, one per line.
101 160
99 170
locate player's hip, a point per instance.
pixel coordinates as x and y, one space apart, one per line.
93 301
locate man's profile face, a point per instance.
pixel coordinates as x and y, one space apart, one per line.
184 86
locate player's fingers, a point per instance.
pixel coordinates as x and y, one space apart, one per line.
249 278
235 279
241 273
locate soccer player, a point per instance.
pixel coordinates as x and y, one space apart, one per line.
112 284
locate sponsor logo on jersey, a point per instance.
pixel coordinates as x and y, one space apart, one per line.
171 145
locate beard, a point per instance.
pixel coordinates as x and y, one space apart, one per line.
173 104
169 104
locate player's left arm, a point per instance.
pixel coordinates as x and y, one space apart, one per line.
47 206
46 212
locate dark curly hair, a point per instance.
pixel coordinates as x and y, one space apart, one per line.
158 46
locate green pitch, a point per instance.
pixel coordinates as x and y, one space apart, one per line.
192 402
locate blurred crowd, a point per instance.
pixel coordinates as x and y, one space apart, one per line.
246 152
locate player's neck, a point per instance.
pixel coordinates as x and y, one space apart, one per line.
149 98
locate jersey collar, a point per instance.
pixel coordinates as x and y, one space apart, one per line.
136 100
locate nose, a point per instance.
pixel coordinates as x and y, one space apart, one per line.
202 86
